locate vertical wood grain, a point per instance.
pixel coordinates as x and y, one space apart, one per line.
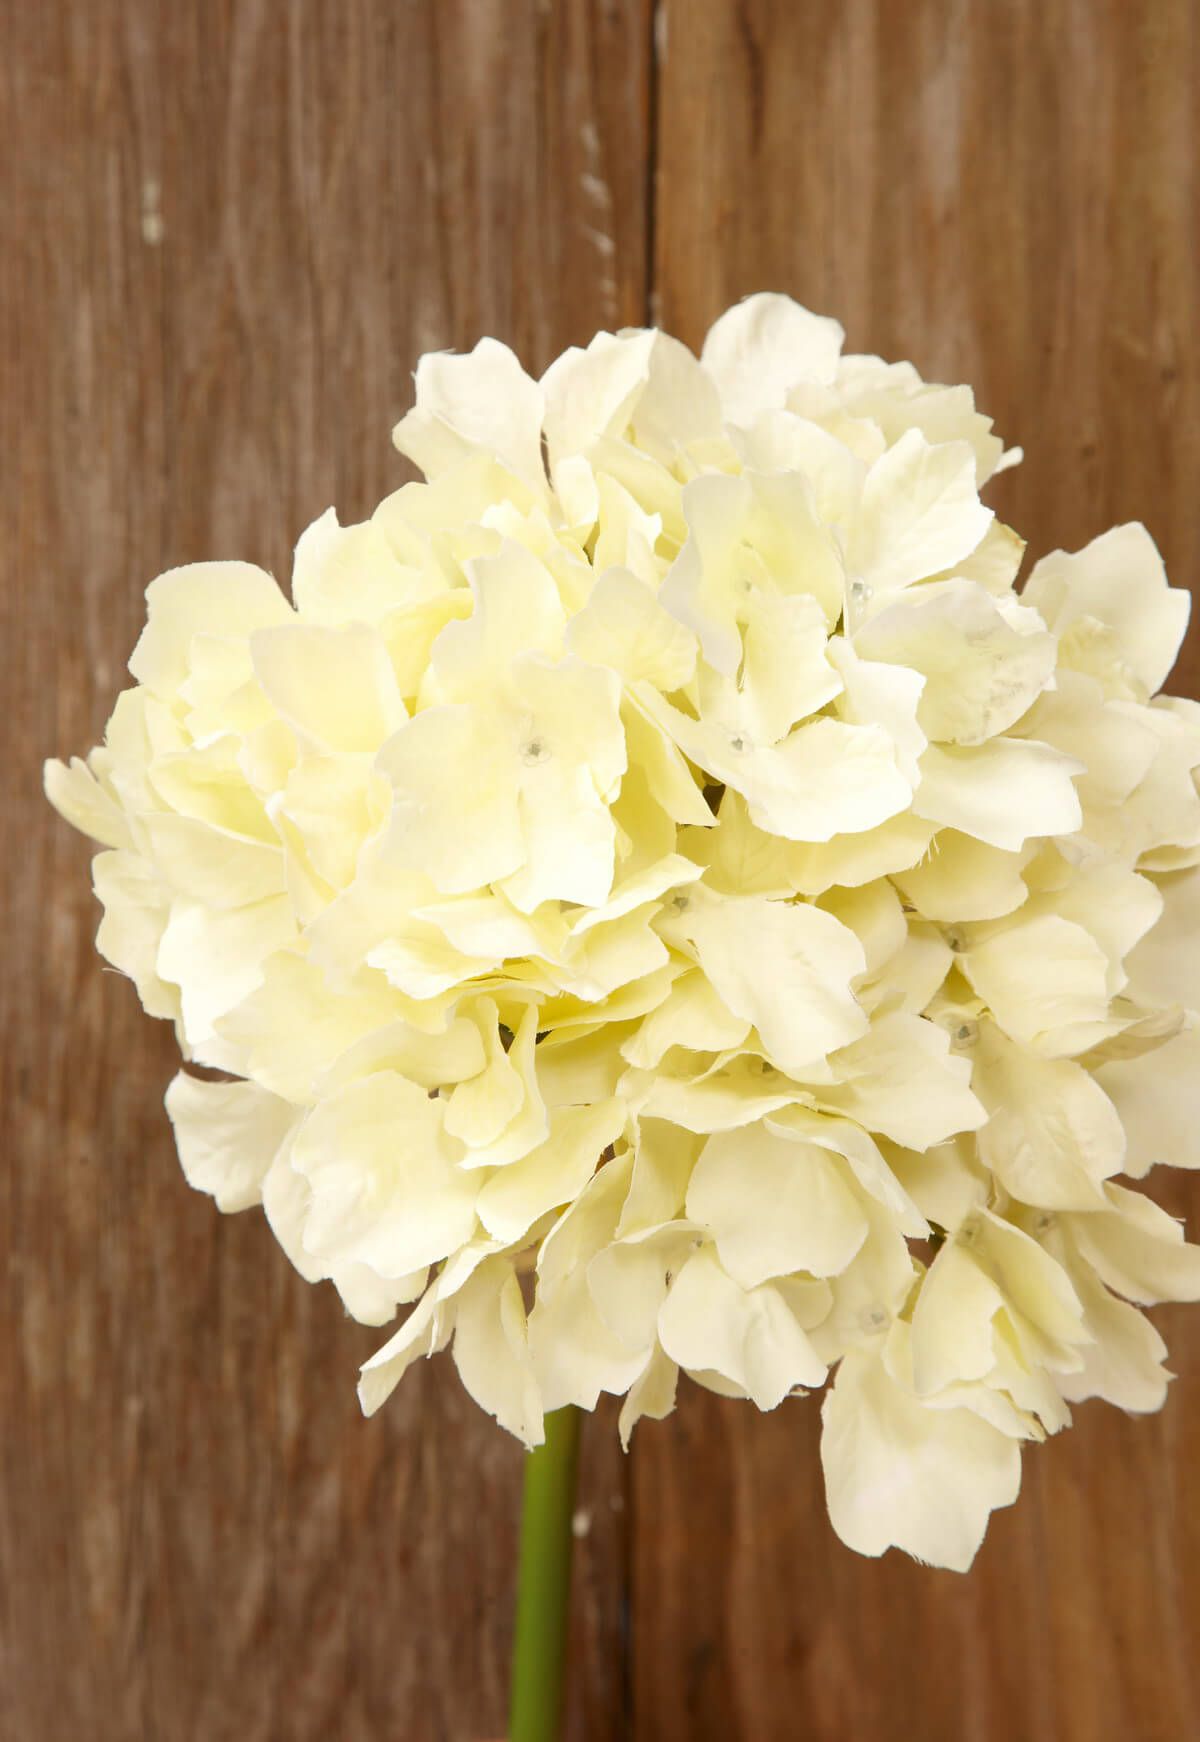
1007 195
230 230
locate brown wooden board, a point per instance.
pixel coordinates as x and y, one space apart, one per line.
229 230
1006 194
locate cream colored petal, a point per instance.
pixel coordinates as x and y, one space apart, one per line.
1053 1135
1115 742
351 574
1137 1249
830 779
481 401
730 1094
602 959
980 673
592 393
206 782
421 964
566 1015
626 536
774 1205
1040 1295
749 1336
874 914
653 486
576 1356
1124 1363
1045 981
587 1224
78 796
779 441
379 904
902 1081
216 958
369 1298
995 562
785 675
410 631
946 1182
569 836
221 690
1119 581
623 625
920 514
640 888
863 1155
553 1174
942 414
1002 792
455 786
963 879
517 610
481 1107
747 533
334 804
870 1294
886 696
824 779
491 1350
517 1071
851 860
1162 814
692 1016
679 406
897 1473
629 1279
952 1323
136 910
185 602
784 967
764 345
660 766
574 709
991 1280
386 1190
662 1166
201 862
739 858
913 977
652 1394
489 926
381 1374
227 1134
416 519
1165 966
1155 1099
585 1068
1118 909
335 686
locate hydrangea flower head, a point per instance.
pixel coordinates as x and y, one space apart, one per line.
658 899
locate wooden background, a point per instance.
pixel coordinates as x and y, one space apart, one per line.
229 228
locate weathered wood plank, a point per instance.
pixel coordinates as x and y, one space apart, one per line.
231 229
1007 196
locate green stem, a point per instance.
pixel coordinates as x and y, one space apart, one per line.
544 1582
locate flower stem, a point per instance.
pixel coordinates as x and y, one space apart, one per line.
543 1582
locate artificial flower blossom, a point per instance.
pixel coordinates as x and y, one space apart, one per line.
661 899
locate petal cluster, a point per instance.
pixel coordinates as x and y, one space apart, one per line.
655 897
